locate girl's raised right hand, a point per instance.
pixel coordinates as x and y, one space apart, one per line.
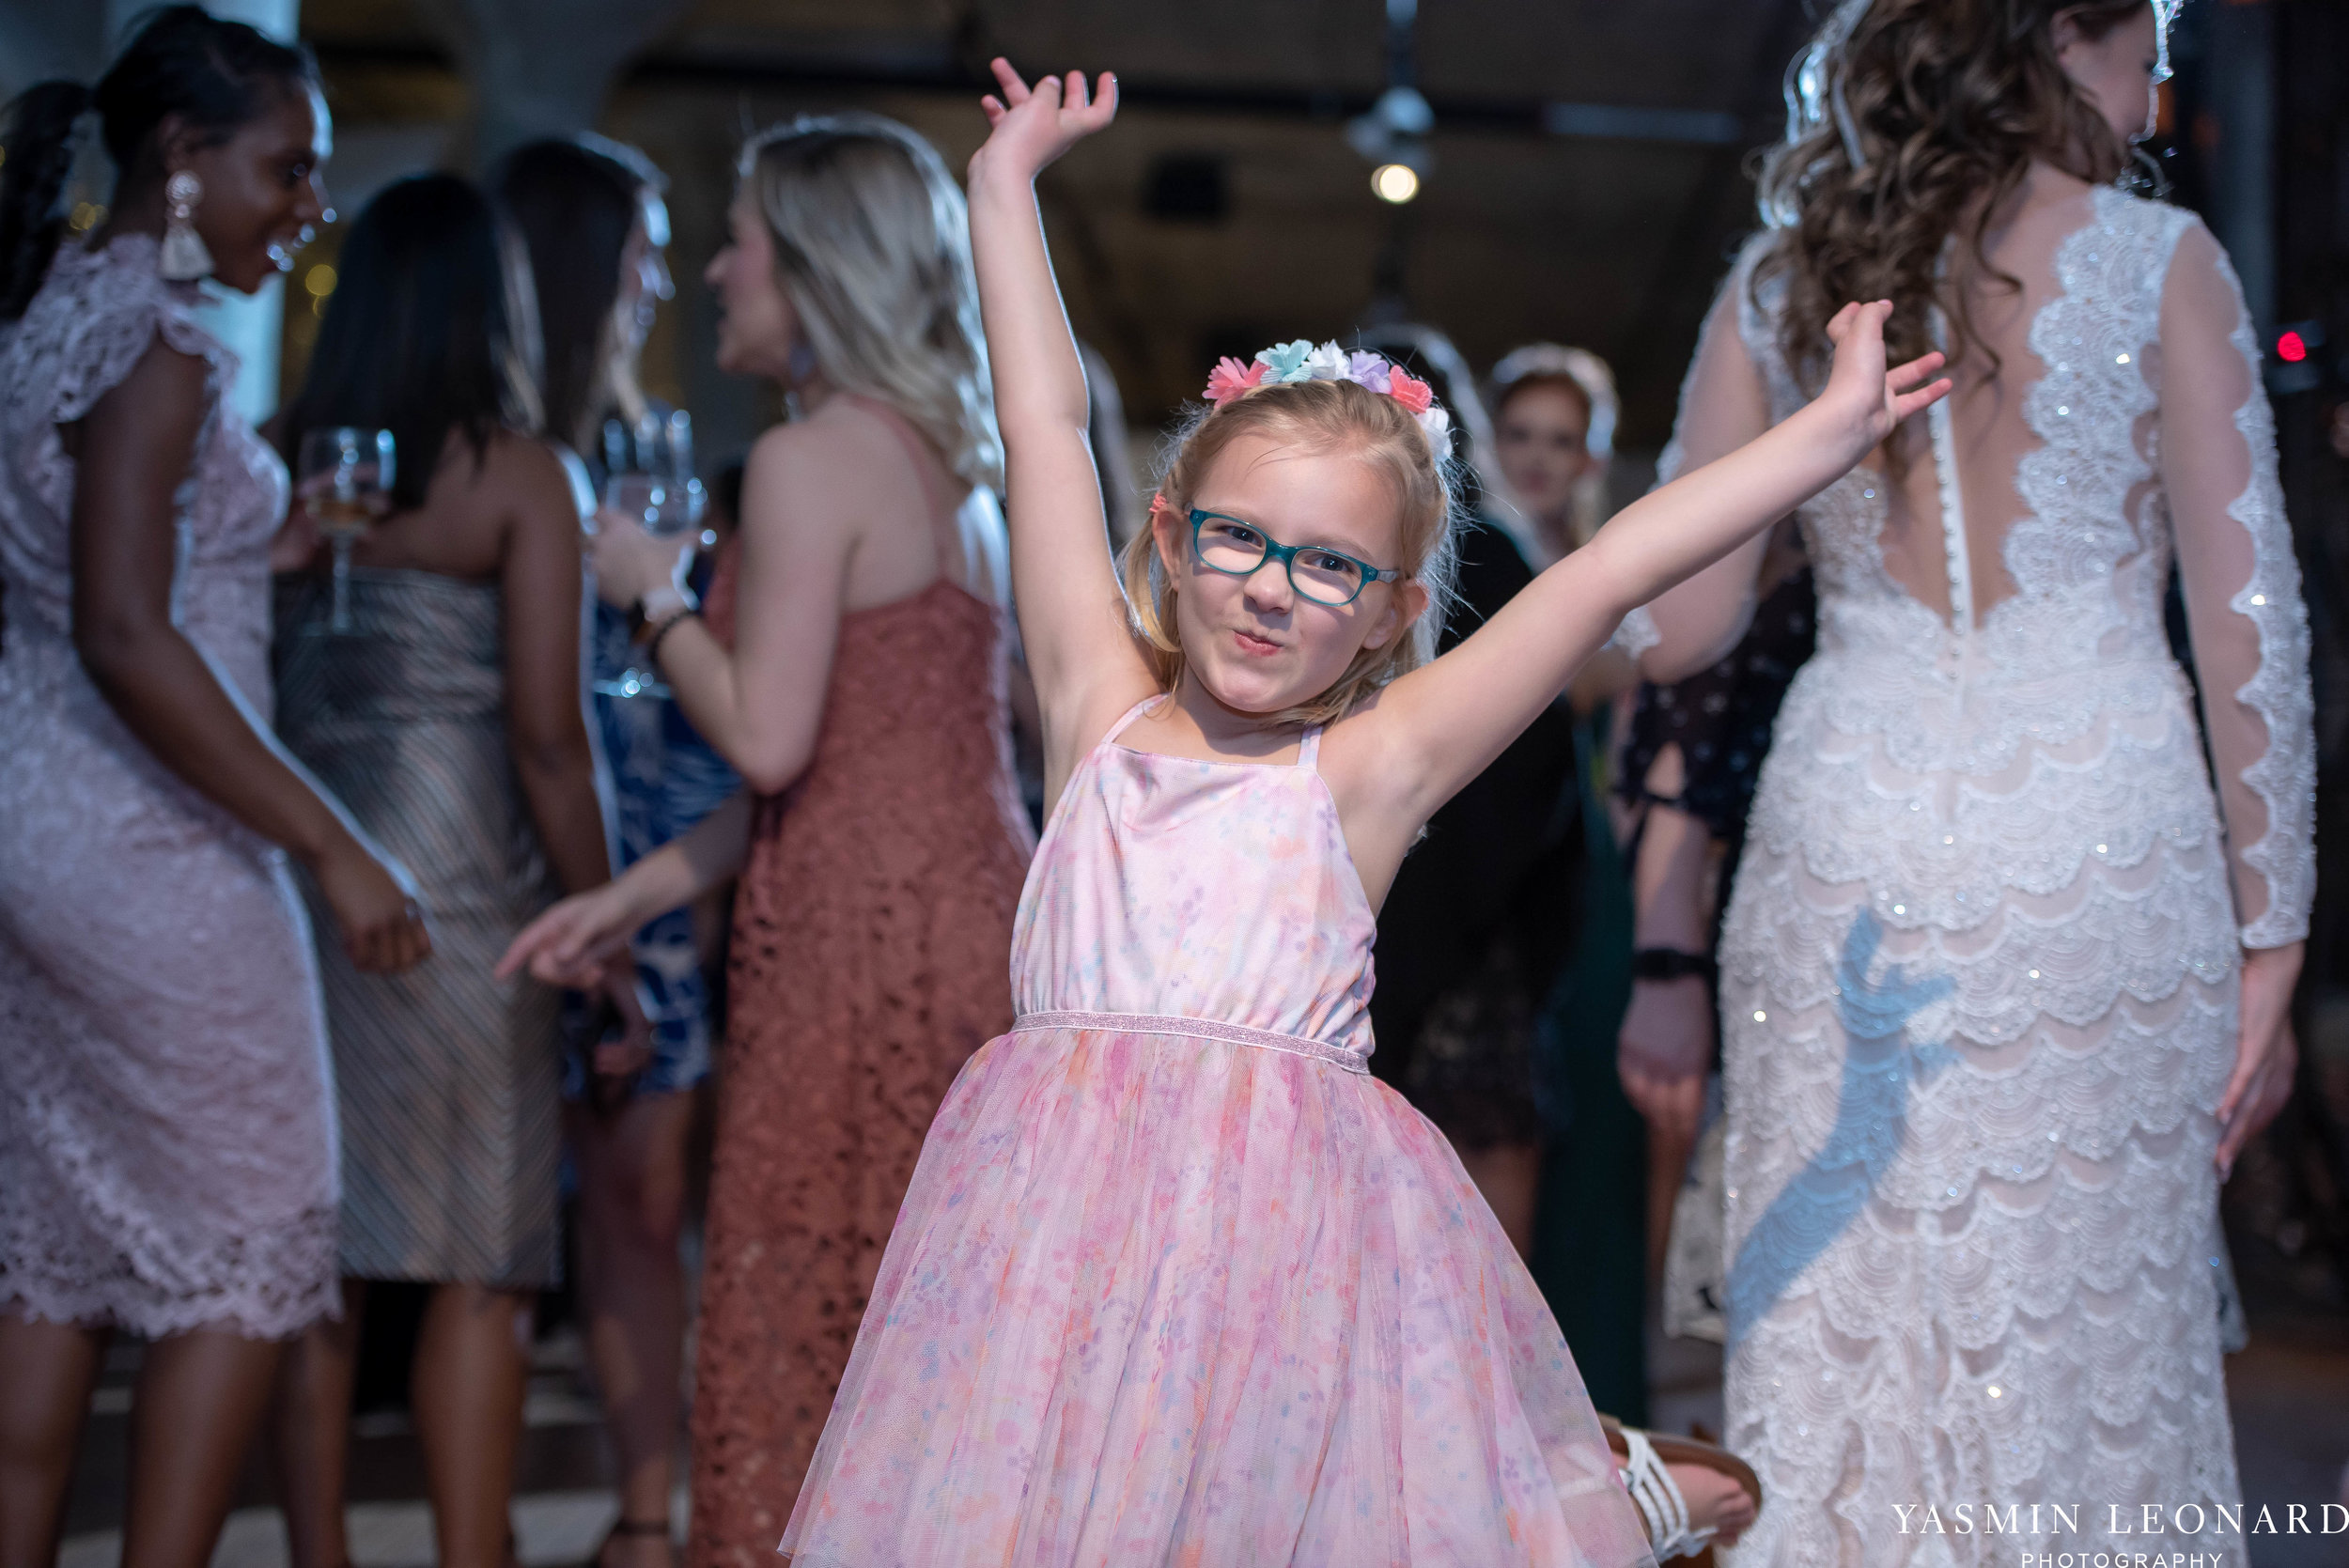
1033 126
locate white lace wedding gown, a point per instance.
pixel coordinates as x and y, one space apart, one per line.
1980 973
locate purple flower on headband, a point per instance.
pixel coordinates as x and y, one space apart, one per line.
1369 370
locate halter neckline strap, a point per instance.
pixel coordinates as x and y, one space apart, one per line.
1308 745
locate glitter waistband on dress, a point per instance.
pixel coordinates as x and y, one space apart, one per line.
1202 1029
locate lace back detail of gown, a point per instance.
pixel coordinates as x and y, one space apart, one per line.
1979 970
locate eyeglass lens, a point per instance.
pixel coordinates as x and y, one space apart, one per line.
1320 575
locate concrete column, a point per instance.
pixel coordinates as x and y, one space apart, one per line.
251 326
40 42
541 68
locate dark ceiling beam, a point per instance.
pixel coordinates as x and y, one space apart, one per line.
1529 116
1654 353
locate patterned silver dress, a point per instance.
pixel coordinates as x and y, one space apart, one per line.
448 1077
166 1132
1980 973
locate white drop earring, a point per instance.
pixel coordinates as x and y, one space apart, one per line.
184 259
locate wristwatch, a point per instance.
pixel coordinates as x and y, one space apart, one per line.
1670 963
663 603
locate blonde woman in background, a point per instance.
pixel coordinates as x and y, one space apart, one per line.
1554 436
853 669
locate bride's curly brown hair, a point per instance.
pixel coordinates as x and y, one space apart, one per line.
1948 100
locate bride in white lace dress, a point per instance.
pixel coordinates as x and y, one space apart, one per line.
2004 985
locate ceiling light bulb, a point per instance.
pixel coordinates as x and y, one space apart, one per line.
1394 182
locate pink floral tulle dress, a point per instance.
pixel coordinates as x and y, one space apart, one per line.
1177 1281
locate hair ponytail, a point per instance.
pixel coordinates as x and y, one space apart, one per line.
213 74
40 149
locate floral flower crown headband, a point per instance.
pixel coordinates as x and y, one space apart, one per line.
1299 361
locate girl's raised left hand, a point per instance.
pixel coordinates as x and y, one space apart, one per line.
1866 401
1033 126
631 562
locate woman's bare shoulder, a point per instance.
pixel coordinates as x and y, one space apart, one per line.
513 457
844 433
831 464
516 471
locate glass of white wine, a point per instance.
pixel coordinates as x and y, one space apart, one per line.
652 482
346 481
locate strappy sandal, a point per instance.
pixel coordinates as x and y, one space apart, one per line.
1644 1455
624 1526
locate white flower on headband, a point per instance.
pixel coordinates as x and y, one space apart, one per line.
1301 361
1328 363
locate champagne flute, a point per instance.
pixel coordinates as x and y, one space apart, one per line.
347 478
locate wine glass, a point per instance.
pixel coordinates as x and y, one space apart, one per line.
346 484
652 473
651 468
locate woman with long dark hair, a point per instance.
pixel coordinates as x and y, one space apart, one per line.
450 715
2003 986
853 668
590 213
166 1143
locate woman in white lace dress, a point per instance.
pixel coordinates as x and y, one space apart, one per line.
2004 985
166 1135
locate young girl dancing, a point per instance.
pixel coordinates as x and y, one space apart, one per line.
1177 1281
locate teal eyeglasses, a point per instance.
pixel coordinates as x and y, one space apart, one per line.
1320 574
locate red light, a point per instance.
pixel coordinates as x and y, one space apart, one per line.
2292 348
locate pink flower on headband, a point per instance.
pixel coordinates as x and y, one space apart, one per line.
1409 390
1229 379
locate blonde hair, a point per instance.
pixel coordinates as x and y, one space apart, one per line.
873 249
1584 374
1319 417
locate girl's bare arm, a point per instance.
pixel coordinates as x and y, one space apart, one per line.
1437 728
1072 614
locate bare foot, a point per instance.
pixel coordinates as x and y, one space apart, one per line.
1715 1501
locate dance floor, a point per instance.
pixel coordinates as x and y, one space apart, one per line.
2290 1392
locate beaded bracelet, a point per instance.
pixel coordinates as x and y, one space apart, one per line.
652 645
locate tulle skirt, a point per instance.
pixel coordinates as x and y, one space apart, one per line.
1159 1299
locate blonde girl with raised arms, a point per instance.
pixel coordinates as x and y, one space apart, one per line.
1177 1280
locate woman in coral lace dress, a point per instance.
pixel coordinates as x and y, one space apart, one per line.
853 669
2003 980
